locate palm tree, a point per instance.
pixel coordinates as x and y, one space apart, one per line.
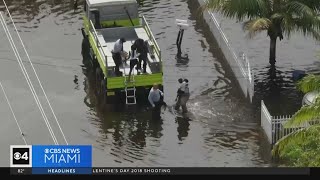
277 17
305 136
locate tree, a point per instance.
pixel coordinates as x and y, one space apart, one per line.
302 147
277 17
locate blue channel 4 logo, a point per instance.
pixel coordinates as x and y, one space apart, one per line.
61 156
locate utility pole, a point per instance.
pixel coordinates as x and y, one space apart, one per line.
183 25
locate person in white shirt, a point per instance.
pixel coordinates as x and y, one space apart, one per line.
183 95
116 54
155 100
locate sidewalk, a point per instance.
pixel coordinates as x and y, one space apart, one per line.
297 52
273 85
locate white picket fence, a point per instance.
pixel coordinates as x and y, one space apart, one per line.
266 122
239 64
274 126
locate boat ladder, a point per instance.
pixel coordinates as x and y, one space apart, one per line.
130 91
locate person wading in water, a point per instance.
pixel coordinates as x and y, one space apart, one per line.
156 100
183 96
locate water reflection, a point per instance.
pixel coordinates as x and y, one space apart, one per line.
155 128
30 13
75 5
183 127
87 100
127 130
182 60
276 85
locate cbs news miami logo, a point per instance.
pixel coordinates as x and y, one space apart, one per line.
21 156
40 156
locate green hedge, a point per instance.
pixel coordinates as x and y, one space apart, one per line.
120 23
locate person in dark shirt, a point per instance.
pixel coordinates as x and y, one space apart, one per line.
183 95
180 91
142 48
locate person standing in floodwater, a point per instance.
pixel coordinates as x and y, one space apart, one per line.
155 101
183 96
180 91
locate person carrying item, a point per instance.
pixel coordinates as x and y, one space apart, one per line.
116 54
155 100
180 89
183 96
133 60
141 46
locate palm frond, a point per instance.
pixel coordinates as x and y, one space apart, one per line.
287 24
215 5
290 25
313 4
270 4
257 25
278 16
309 83
313 32
239 9
304 115
212 5
295 138
293 15
300 8
301 18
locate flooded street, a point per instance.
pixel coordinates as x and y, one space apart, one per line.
222 128
295 53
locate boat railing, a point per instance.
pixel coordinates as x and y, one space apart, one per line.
151 37
99 46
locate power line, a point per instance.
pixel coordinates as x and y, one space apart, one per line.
25 73
35 73
42 64
14 116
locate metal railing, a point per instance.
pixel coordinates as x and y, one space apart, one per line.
149 32
245 64
240 66
99 46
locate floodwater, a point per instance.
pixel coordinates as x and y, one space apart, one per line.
275 85
222 128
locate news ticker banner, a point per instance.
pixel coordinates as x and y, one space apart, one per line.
52 159
174 171
77 159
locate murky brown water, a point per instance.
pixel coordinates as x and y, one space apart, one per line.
221 130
